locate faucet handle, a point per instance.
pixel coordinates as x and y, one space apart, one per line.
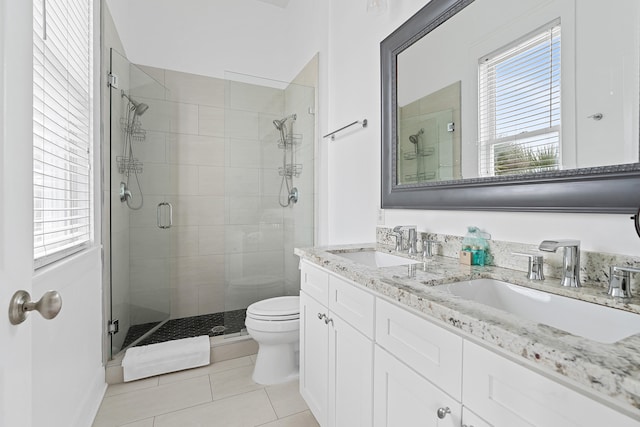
427 247
620 281
536 265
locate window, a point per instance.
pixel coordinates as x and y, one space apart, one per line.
62 127
519 105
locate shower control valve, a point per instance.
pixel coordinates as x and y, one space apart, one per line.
125 194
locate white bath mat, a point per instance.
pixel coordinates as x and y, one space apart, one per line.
155 359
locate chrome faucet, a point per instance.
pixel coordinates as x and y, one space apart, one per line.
536 265
620 281
570 260
411 246
427 248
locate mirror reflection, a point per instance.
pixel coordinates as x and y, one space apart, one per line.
523 87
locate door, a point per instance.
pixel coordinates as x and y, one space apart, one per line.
314 362
350 375
144 243
403 398
16 238
51 371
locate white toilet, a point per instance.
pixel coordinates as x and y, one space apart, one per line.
275 325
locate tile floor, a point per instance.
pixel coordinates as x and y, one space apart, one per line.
218 395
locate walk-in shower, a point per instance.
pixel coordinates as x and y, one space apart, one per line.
217 224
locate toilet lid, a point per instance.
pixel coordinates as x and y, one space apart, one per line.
280 308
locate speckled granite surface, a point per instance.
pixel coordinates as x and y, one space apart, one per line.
610 370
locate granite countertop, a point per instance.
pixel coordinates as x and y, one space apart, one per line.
610 370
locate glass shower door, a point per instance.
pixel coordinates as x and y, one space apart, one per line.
140 216
269 189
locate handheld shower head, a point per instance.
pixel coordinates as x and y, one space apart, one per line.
414 139
280 123
139 108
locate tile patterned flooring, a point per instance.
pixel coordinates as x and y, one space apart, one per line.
186 327
218 395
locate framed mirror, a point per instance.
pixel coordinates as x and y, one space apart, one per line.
531 105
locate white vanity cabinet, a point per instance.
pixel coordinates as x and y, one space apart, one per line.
505 393
418 380
336 349
469 419
365 361
314 357
404 398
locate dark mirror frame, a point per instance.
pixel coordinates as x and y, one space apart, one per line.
609 189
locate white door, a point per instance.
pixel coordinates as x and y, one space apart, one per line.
401 397
350 376
51 371
314 363
16 238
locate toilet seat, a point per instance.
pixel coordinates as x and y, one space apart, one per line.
275 309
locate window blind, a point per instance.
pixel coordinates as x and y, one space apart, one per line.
519 105
62 127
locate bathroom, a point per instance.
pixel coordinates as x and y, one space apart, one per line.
346 198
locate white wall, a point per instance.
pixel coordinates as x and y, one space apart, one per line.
348 41
354 159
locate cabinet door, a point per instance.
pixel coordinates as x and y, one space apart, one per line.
403 398
314 356
469 419
350 376
507 394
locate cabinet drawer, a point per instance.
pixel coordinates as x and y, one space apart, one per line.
430 350
315 282
352 304
507 394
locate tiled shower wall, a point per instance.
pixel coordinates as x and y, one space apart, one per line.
211 151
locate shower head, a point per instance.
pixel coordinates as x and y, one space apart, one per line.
414 139
139 108
280 123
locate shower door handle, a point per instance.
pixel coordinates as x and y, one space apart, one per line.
164 206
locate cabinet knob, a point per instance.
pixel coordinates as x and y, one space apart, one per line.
442 412
321 316
328 320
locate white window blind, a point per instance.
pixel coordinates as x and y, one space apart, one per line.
62 127
519 105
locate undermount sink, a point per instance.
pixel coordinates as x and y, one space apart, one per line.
592 321
375 259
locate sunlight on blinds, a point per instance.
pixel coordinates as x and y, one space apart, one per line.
519 106
62 127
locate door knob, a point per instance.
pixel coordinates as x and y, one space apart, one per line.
48 306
